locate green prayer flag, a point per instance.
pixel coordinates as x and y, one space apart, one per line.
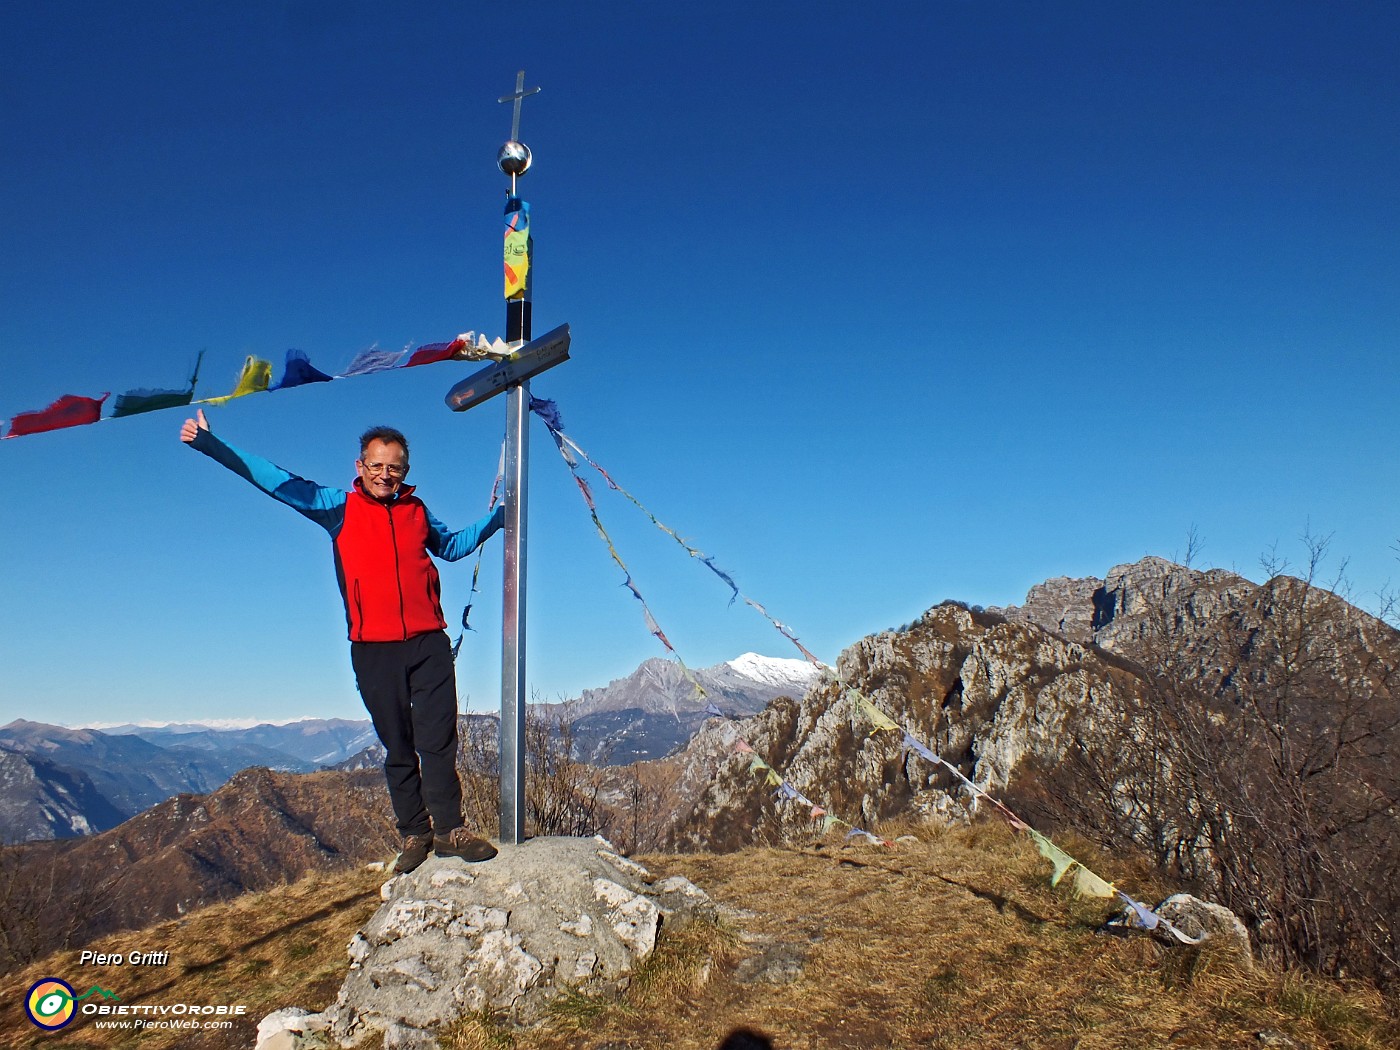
134 402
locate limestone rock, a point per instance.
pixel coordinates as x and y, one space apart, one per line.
546 917
776 962
291 1029
1194 917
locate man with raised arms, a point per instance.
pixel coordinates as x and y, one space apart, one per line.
382 537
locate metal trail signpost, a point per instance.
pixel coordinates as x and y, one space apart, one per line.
511 376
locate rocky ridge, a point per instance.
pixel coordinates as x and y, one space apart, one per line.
984 693
994 692
40 800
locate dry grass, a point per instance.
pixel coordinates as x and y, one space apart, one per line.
955 941
263 950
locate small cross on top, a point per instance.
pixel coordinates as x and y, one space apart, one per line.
516 97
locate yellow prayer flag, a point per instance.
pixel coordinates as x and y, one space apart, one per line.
882 721
1056 856
1087 884
255 377
773 779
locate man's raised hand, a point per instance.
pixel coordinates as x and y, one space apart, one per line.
191 427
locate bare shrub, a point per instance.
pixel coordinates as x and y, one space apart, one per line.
561 793
641 806
478 767
44 905
1259 764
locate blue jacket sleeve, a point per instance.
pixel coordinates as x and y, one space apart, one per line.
450 546
325 506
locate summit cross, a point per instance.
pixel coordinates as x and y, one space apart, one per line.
517 97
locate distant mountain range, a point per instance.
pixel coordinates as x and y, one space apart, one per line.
657 708
314 742
57 782
654 710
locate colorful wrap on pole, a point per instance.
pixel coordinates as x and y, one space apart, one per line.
517 248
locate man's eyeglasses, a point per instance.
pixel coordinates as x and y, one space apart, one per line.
394 470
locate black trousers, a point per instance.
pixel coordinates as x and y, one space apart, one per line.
410 691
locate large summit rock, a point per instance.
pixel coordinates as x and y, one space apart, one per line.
544 918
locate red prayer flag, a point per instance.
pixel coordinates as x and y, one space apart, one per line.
70 410
433 353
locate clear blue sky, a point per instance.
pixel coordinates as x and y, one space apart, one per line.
878 304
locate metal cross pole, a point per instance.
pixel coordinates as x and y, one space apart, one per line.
512 377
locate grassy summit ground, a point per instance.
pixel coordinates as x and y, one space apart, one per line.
954 941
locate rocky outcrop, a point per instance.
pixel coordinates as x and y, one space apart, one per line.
1208 623
1207 921
984 693
1000 692
1115 612
546 918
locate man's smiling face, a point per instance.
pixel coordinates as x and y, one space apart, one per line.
382 467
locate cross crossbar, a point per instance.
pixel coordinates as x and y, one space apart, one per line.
519 94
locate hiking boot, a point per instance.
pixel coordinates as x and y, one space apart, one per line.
459 842
415 852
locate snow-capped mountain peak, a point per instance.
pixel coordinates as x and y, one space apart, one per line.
773 670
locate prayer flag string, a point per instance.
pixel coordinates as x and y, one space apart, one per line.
548 412
480 553
784 791
72 410
1083 881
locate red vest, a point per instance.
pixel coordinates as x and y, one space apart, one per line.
388 580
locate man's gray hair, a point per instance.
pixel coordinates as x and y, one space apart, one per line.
388 435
